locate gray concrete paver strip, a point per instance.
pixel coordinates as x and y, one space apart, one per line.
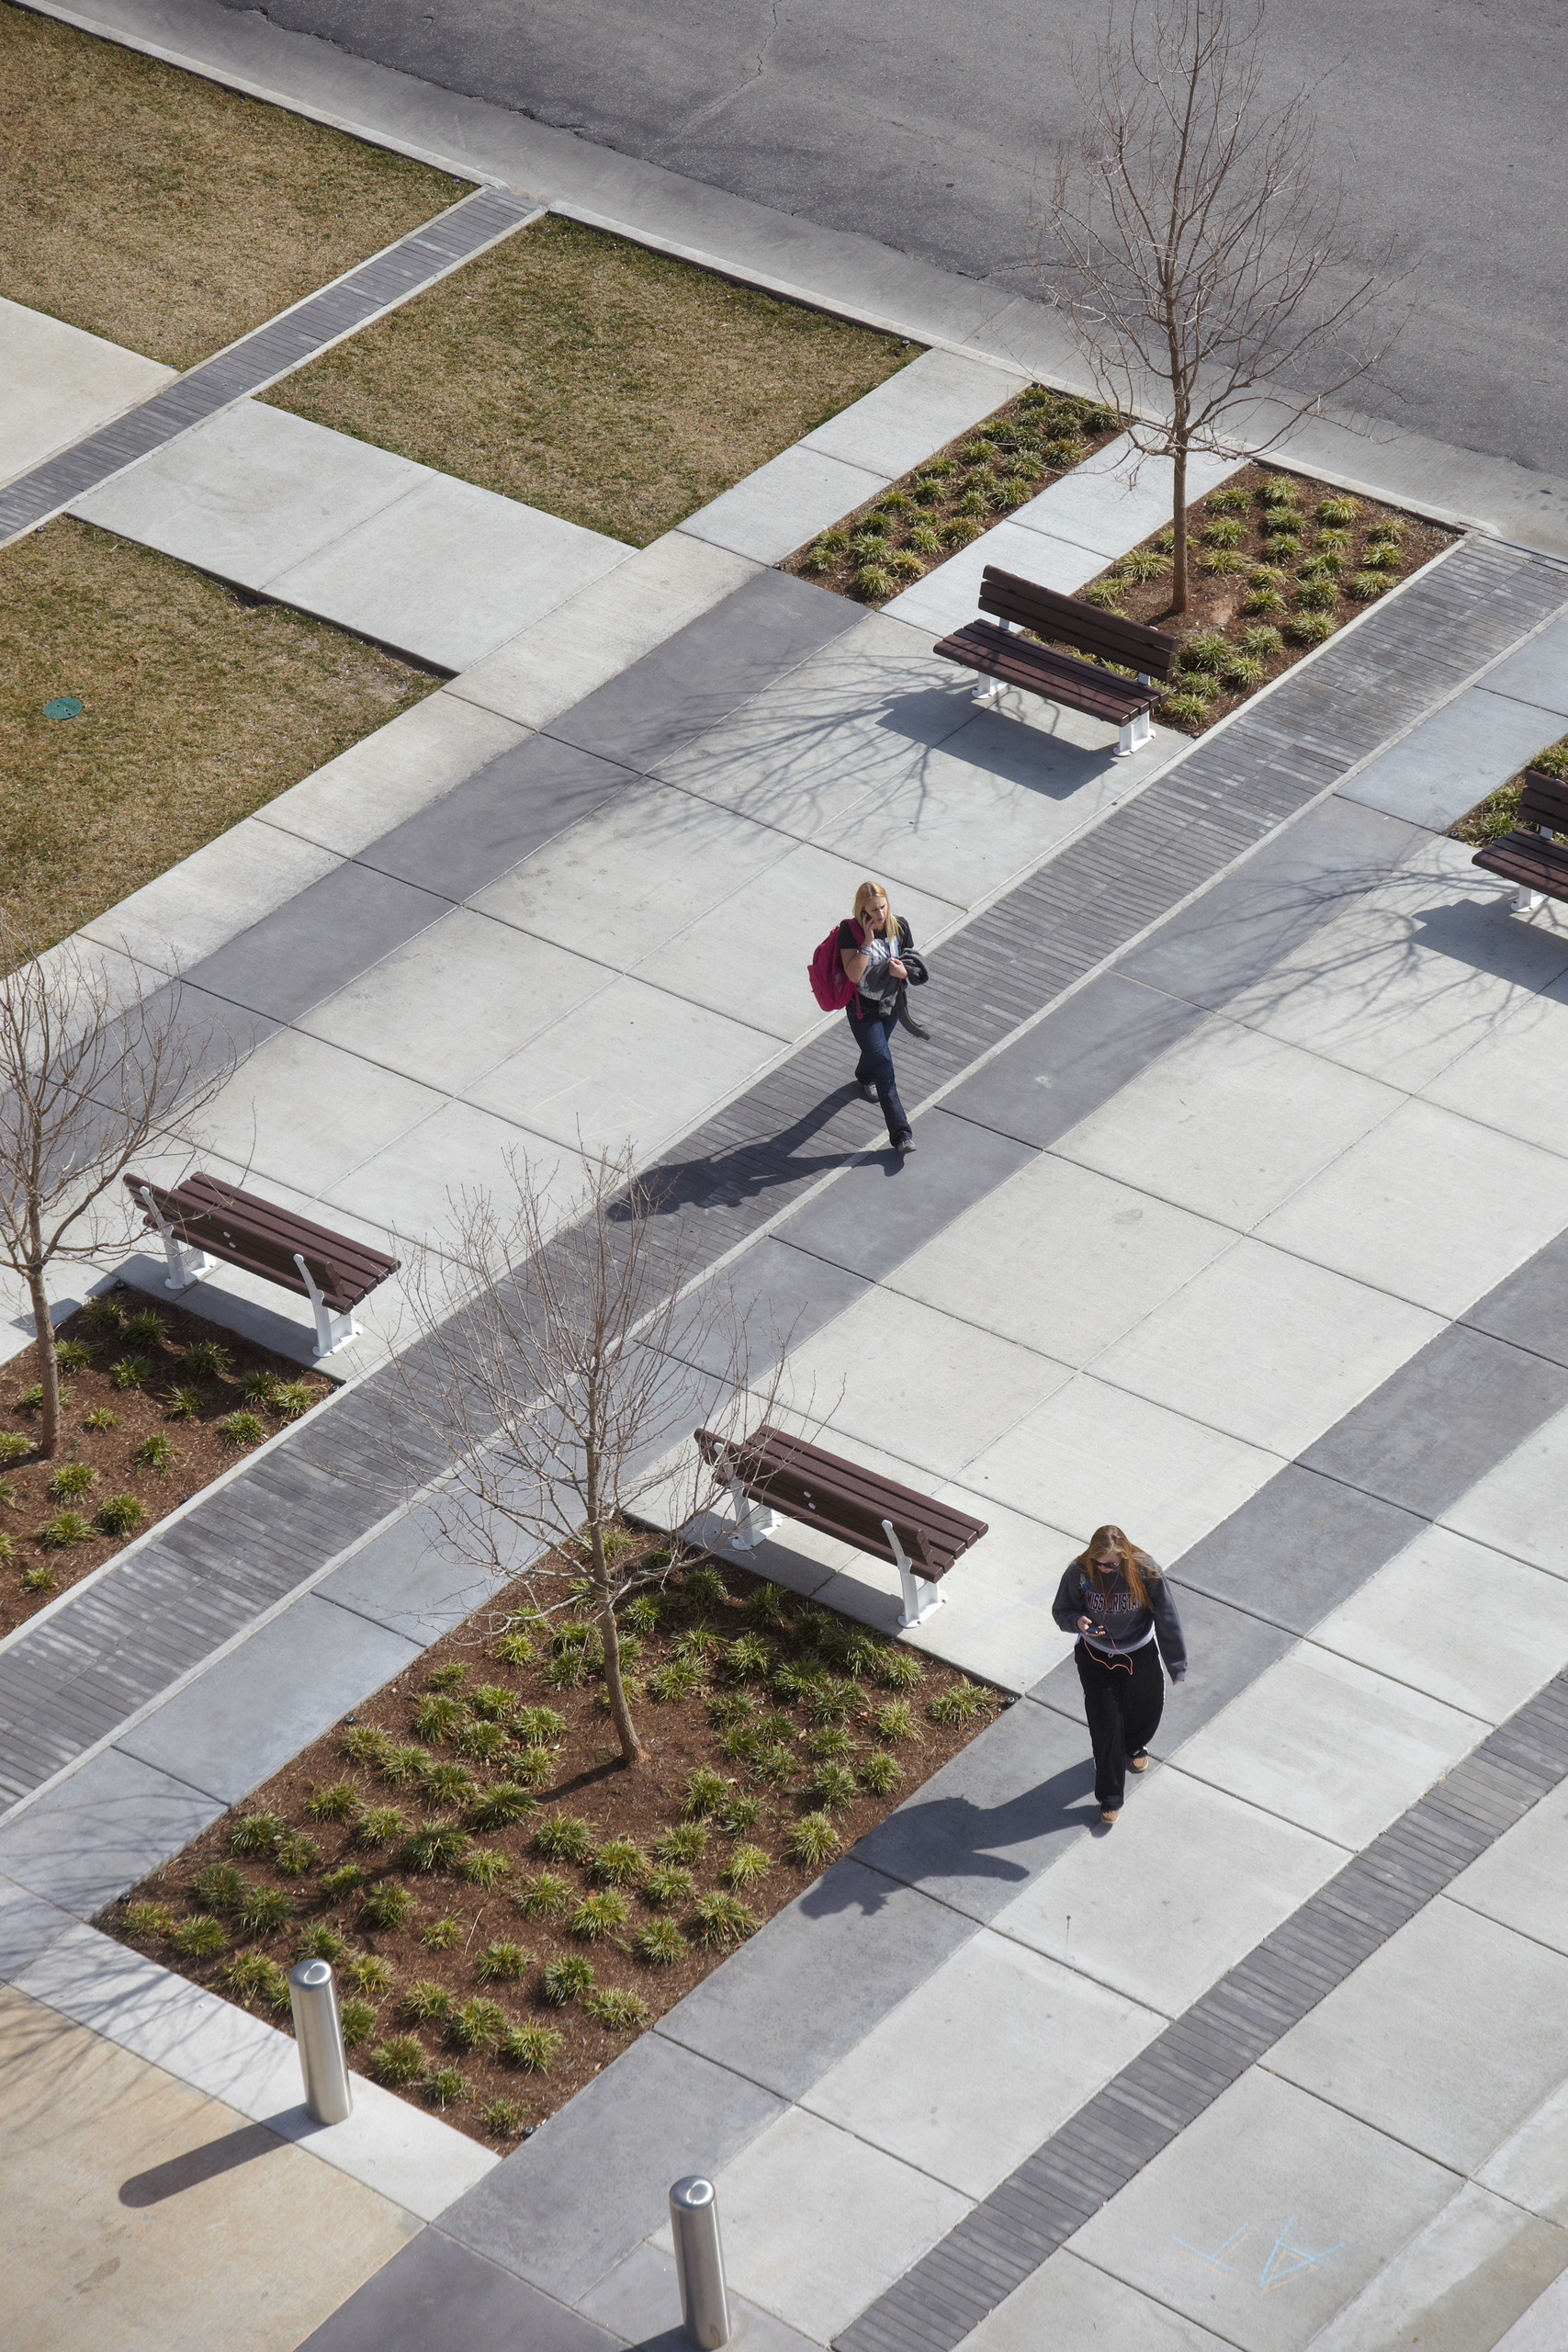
268 353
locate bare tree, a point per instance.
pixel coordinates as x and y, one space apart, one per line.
91 1076
1204 259
556 1366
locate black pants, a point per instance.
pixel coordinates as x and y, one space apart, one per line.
1124 1703
875 1068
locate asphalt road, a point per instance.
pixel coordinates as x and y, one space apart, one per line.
930 123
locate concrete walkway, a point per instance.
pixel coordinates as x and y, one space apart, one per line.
58 385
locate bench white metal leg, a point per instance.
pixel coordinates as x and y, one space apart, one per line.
754 1522
1137 731
187 1263
1526 901
331 1330
918 1604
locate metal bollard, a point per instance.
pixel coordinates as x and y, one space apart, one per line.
699 2262
318 2030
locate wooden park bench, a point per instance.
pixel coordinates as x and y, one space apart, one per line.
202 1219
1003 653
1528 856
770 1472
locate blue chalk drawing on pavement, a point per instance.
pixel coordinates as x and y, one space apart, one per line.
1283 2261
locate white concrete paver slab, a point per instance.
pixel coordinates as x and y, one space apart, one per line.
1267 2216
601 629
1193 1878
633 1061
863 2216
996 1616
891 1367
1519 1506
217 891
1477 2265
58 384
1068 2301
891 428
1062 1259
1229 1124
302 1113
1267 1346
1453 759
399 1014
1538 672
1451 1617
250 492
1544 2327
1531 2166
390 775
1449 2037
1498 1079
654 861
1399 1208
1414 976
992 800
1119 496
416 2159
1330 1746
411 1187
449 572
783 504
982 2062
1522 1880
1093 1453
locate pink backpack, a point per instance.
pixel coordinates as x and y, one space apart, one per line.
830 984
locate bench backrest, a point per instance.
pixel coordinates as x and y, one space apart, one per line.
1544 801
1066 620
247 1231
806 1482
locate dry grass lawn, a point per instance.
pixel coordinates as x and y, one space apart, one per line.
610 385
197 708
168 215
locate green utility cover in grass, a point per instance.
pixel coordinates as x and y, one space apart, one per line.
63 706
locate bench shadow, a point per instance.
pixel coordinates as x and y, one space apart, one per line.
195 2165
948 1838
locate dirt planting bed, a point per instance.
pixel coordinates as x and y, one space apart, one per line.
505 1903
953 496
156 1403
1495 816
1277 564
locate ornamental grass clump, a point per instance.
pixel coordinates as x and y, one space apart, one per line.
598 1915
257 1833
497 1807
719 1921
566 1979
386 1906
659 1943
399 2062
961 1704
617 2011
813 1841
534 2048
501 1962
545 1896
475 2024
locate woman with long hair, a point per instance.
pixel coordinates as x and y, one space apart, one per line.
870 948
1117 1601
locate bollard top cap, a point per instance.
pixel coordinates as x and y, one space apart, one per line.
693 2193
309 1973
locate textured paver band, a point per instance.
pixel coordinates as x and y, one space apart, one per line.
261 357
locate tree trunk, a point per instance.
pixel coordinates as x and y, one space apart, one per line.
620 1713
49 1417
1178 527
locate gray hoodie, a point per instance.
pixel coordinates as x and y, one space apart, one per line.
1121 1625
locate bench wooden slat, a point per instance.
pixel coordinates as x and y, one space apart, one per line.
257 1236
842 1498
1529 859
1072 622
1019 662
1544 801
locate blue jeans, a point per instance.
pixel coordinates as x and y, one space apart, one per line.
875 1068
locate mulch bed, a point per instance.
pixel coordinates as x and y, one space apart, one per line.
1277 563
505 1903
141 1424
1492 818
950 498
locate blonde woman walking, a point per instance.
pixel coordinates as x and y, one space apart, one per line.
1117 1601
871 949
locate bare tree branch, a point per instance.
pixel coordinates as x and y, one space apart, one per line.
561 1364
1195 244
91 1076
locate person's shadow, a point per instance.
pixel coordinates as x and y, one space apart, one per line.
951 1837
729 1180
